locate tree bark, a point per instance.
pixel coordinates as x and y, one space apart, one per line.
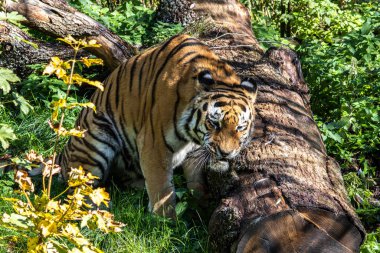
58 19
283 194
286 195
220 20
20 50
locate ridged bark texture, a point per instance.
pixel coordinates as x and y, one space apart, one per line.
284 193
58 19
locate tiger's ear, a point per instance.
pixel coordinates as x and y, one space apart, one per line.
249 85
205 79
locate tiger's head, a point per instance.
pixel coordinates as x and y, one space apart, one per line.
222 115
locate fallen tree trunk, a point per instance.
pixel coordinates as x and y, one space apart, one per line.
58 19
284 194
20 50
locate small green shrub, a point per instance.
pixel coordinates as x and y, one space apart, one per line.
131 20
339 44
345 86
372 244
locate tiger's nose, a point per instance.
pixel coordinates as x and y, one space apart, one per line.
222 153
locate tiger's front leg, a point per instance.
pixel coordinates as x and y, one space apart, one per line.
158 179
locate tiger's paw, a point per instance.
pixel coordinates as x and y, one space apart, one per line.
165 206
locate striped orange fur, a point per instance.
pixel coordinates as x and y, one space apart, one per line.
157 107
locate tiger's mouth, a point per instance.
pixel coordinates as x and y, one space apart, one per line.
219 154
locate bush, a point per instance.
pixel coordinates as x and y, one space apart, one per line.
339 44
131 20
345 87
47 223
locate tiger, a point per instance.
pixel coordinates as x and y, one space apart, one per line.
157 107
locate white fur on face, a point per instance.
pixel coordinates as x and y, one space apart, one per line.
244 117
180 155
215 113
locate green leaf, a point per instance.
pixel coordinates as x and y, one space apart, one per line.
328 21
20 101
17 220
6 76
366 28
6 134
180 208
367 58
180 192
12 17
61 248
335 136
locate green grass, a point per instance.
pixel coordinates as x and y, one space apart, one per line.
32 130
143 232
147 233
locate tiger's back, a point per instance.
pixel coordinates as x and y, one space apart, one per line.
154 109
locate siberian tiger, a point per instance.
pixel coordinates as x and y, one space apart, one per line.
157 107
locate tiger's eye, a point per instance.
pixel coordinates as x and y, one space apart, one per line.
213 124
241 127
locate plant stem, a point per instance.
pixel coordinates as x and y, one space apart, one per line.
43 183
61 193
67 210
28 199
61 121
5 165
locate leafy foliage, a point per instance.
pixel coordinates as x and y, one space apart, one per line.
48 223
372 244
43 88
12 17
345 85
7 77
339 45
358 191
128 20
6 134
131 20
321 19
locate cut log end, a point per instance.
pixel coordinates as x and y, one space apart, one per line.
312 230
